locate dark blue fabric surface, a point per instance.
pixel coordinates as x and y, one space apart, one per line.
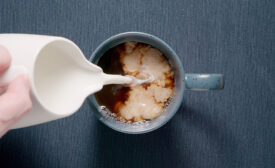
230 128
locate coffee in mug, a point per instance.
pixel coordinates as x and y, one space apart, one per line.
153 87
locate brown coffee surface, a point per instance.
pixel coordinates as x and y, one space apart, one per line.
137 102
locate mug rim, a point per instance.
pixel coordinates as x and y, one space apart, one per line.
123 36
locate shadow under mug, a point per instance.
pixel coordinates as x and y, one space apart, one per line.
183 81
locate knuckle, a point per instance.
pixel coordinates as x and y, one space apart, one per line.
28 103
25 102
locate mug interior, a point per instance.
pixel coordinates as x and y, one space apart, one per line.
170 110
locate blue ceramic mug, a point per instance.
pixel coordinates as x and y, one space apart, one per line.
183 81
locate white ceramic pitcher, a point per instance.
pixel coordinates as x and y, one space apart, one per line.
60 76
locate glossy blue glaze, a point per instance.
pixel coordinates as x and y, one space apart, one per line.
204 81
182 82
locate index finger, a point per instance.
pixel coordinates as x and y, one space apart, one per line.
5 59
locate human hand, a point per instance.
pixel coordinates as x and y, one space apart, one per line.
15 98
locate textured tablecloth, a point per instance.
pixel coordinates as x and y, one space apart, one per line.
233 128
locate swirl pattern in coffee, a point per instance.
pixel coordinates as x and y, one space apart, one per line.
139 101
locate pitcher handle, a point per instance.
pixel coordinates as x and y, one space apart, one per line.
204 81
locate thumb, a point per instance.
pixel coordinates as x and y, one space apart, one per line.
14 103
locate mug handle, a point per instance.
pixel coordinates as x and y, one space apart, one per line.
11 74
204 81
